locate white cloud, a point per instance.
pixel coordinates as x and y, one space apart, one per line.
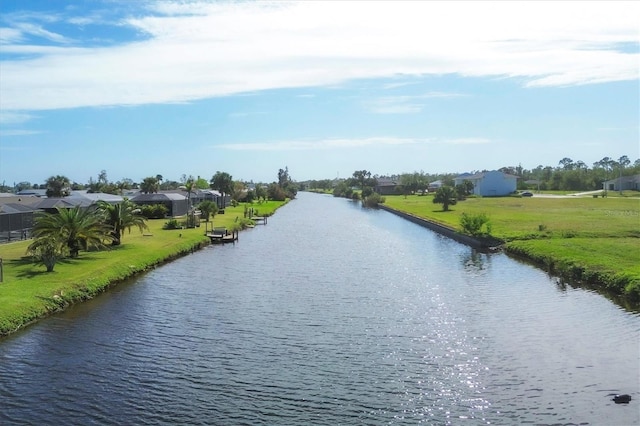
196 50
332 143
39 31
10 35
407 104
14 118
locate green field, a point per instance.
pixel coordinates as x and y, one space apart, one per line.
595 240
28 292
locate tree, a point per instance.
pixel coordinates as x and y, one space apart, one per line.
22 185
208 208
261 192
189 186
78 228
283 177
121 216
239 191
223 183
149 185
446 196
464 189
202 183
58 186
286 183
363 179
47 250
566 163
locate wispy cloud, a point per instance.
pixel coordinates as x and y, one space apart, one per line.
332 143
404 104
19 132
8 118
197 49
39 31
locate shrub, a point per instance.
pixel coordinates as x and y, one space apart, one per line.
154 211
171 224
373 200
473 224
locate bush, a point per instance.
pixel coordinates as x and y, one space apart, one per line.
171 224
373 200
154 211
473 224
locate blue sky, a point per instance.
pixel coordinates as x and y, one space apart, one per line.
140 88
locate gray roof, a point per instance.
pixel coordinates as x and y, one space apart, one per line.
163 196
36 192
12 208
95 196
64 203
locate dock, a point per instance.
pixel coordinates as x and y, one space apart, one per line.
259 219
222 235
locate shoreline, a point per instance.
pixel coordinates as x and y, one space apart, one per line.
573 275
60 302
483 244
67 288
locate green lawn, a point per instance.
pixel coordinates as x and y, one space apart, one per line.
28 292
585 238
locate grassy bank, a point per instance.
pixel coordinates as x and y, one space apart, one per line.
28 293
593 240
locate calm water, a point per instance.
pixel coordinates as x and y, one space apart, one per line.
329 315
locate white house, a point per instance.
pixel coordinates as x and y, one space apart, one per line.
490 184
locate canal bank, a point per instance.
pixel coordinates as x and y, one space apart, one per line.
385 322
484 244
29 294
614 285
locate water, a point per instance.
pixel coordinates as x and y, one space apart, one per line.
329 315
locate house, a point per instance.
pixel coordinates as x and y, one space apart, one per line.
200 195
385 186
490 184
77 198
622 183
176 204
16 221
433 186
33 192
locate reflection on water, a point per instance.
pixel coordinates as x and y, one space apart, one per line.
349 316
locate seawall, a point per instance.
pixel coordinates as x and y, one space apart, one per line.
484 244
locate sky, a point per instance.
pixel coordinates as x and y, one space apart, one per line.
324 88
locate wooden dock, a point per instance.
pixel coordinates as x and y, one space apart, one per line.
221 236
259 219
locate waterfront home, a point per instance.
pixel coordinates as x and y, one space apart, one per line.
490 184
176 204
385 186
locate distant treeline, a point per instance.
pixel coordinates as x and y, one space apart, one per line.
568 175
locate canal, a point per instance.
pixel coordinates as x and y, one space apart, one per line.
330 314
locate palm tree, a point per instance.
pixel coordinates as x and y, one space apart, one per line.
223 182
47 251
121 216
77 228
446 196
208 208
58 186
